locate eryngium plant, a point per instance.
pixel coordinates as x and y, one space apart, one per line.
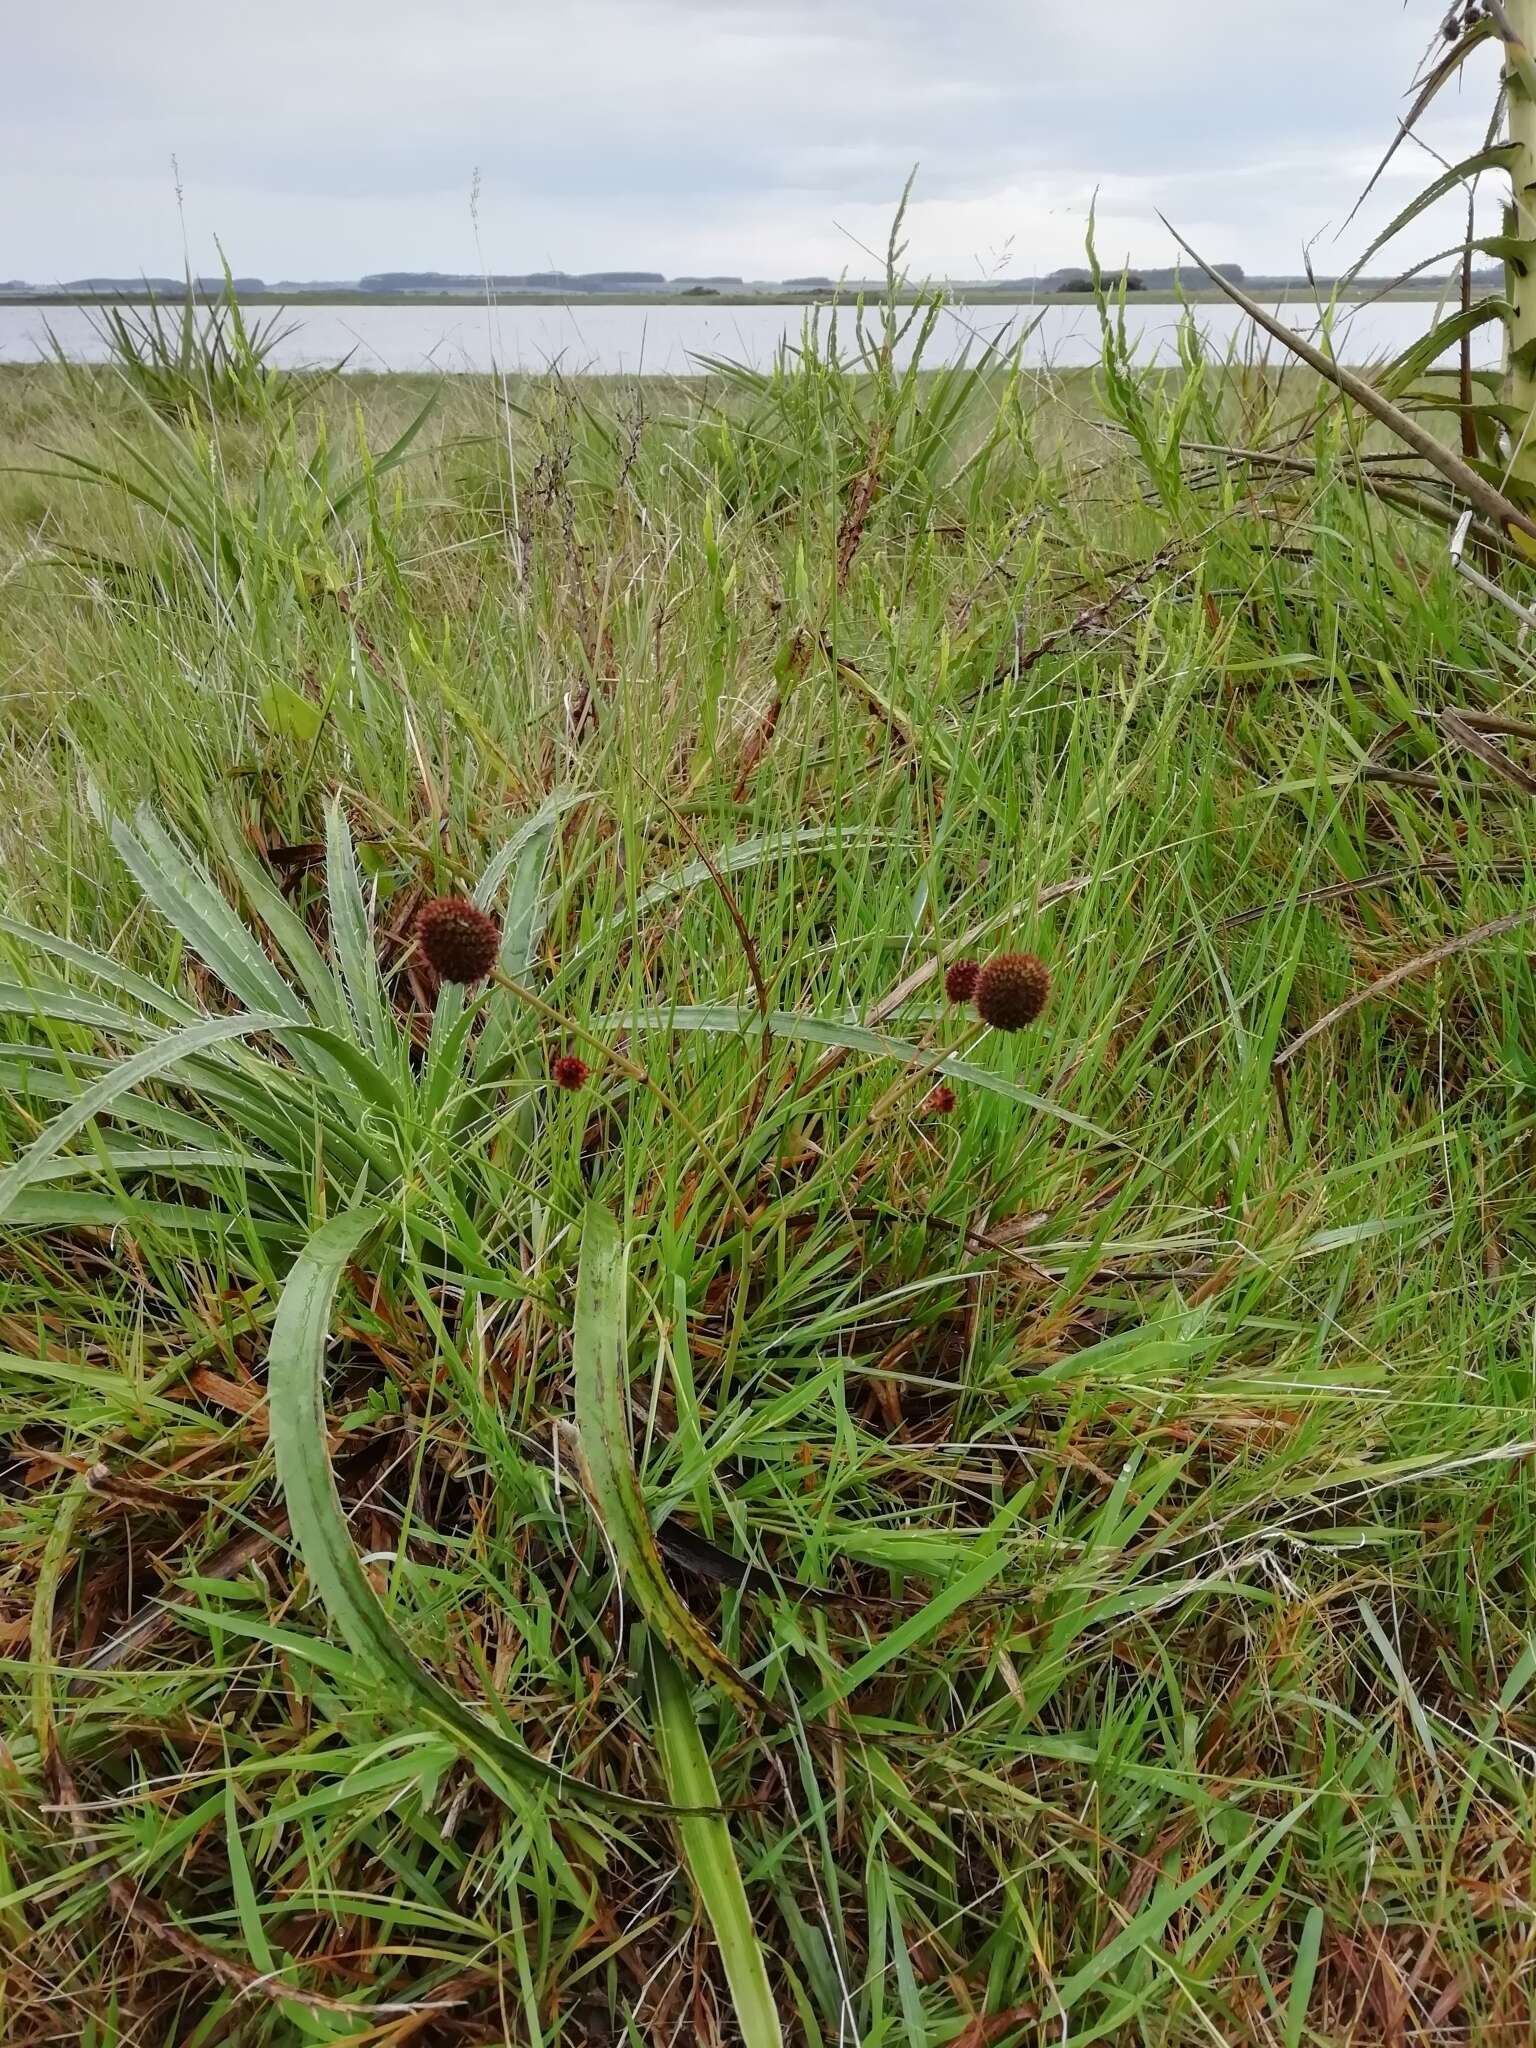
1495 474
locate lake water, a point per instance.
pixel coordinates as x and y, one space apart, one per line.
669 340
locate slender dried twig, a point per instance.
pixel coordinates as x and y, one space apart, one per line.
1333 892
1465 735
1420 961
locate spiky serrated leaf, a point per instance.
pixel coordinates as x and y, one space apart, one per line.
168 1052
309 966
524 858
1441 74
63 1005
185 897
51 1208
1418 357
1500 156
101 967
352 936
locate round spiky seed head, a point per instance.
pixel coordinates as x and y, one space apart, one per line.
459 939
939 1101
567 1071
1011 991
960 980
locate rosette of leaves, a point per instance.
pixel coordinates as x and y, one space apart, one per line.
228 1121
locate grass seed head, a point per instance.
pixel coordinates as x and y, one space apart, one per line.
568 1071
960 980
1011 991
459 939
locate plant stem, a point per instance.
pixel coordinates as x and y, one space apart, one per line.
1517 25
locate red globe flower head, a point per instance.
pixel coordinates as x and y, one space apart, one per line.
939 1101
1011 991
569 1072
458 938
960 980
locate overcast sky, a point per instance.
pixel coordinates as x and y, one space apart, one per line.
326 138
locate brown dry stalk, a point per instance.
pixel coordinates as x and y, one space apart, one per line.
1465 735
1382 983
757 745
1492 503
860 499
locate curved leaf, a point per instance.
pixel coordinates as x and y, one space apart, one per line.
613 1484
711 1861
1433 343
525 857
188 901
102 967
730 860
352 936
289 931
526 852
726 1018
1440 76
1500 157
296 1396
65 1209
167 1052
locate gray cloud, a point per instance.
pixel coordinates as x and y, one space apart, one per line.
323 140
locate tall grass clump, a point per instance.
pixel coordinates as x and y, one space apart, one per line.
196 360
881 1389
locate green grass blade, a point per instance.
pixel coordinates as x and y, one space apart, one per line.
851 1037
1303 1977
296 1395
711 1860
602 1399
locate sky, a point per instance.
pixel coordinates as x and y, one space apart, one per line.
330 138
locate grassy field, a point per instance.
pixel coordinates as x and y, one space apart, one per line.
1130 1437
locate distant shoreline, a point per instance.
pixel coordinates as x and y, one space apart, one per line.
974 299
